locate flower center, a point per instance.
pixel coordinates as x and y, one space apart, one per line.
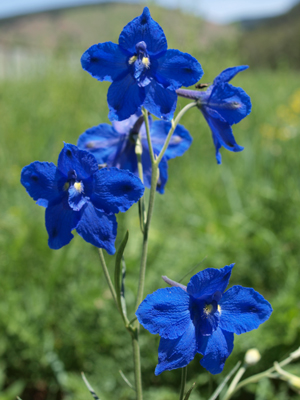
141 63
78 186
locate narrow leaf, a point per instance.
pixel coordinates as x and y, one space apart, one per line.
126 380
221 386
188 393
89 387
120 290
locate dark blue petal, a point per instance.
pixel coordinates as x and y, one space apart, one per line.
243 309
159 101
205 316
143 29
76 197
60 221
206 283
232 103
217 147
163 176
228 74
166 312
221 129
39 180
115 190
175 69
176 353
98 228
124 98
216 349
179 143
105 61
103 141
80 161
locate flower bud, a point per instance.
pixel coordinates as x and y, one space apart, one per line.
252 357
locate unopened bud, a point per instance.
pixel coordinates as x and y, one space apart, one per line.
252 357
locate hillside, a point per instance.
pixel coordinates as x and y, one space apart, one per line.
272 42
75 28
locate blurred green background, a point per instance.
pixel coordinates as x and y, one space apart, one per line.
57 317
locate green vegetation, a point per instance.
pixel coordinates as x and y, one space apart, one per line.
56 315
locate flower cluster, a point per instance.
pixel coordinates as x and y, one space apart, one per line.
201 318
100 177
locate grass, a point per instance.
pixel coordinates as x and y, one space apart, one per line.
56 315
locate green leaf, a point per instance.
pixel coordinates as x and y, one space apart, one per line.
92 391
120 277
188 393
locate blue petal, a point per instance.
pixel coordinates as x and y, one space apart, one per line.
115 190
228 74
179 143
143 29
105 61
232 103
124 98
163 176
147 169
98 228
103 141
216 349
80 161
206 283
159 101
217 147
39 180
243 309
60 221
176 353
175 69
221 129
123 127
166 312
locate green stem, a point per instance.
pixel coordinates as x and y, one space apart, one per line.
145 114
175 122
107 276
138 152
267 373
137 367
183 382
234 382
145 236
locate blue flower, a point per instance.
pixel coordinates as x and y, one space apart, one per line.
142 71
114 146
201 318
222 106
77 195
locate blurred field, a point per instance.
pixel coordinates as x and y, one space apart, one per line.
56 315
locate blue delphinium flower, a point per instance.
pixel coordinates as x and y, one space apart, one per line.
114 145
222 106
77 195
201 318
142 71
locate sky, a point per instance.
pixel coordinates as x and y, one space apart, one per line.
219 11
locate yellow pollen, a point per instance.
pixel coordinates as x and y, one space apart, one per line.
78 186
219 308
132 59
66 186
146 62
208 309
